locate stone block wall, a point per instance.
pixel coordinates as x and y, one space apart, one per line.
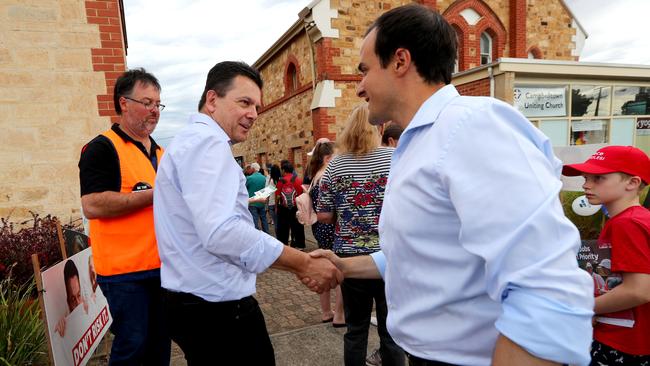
49 87
549 29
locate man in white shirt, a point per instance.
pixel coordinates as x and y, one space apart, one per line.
478 258
209 249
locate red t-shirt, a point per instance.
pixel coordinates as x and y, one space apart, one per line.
628 233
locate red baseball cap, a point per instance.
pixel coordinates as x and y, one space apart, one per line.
613 159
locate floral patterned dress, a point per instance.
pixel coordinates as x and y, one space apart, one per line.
353 188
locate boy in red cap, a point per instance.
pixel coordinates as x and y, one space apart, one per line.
614 177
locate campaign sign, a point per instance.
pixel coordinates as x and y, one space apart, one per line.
77 311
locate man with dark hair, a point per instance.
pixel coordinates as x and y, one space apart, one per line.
117 170
478 257
210 250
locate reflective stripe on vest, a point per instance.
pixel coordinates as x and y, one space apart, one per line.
127 243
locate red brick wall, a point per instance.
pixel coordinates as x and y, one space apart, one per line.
475 88
321 122
518 28
110 58
470 56
429 3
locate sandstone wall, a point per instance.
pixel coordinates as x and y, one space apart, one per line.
49 90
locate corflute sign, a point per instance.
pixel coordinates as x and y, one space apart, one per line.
541 101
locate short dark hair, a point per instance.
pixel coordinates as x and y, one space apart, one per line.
221 75
286 166
431 41
126 82
69 271
394 131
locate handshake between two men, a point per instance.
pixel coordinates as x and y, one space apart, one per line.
326 270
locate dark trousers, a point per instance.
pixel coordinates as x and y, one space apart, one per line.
602 354
140 334
358 296
287 221
218 333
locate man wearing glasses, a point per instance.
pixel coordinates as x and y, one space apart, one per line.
117 171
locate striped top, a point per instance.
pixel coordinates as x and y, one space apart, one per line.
353 188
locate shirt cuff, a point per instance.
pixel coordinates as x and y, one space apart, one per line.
380 262
562 334
261 255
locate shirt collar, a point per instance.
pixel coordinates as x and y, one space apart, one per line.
431 108
204 119
116 128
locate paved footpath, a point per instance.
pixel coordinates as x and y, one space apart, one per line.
293 319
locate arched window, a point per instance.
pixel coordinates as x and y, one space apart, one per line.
486 48
292 78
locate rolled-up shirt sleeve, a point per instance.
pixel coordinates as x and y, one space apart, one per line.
213 190
528 245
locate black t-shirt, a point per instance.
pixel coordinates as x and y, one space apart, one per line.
99 166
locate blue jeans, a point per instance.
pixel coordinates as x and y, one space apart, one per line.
141 337
259 214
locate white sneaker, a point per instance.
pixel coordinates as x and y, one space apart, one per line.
373 320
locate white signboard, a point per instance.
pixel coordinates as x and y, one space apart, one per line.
587 125
77 311
541 101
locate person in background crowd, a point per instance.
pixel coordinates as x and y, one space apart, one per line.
351 195
614 177
255 182
321 155
288 188
467 218
117 170
210 250
275 174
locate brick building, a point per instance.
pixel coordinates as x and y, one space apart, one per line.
310 72
59 60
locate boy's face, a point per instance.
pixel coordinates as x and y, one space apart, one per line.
604 188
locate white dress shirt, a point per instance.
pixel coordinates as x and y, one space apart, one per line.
206 238
475 239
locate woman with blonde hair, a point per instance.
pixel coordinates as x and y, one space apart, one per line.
351 195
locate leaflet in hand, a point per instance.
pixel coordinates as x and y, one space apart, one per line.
264 192
595 258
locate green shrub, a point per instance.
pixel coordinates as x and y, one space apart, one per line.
18 241
22 334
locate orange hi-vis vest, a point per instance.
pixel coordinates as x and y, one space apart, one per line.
127 243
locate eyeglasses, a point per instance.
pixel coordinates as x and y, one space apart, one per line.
149 105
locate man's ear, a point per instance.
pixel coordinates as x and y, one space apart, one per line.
210 96
401 61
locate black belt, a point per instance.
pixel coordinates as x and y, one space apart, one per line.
190 298
417 361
